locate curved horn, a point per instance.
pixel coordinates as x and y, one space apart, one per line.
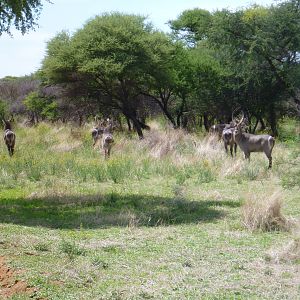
234 112
241 120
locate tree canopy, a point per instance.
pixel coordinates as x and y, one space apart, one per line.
210 64
22 14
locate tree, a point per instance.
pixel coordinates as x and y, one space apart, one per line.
258 50
22 14
35 105
261 46
110 59
3 110
192 25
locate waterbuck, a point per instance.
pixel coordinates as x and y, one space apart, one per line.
107 138
254 143
228 139
96 132
104 132
9 136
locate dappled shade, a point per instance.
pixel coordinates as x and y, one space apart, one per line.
95 211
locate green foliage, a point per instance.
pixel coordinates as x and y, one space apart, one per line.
21 14
192 25
34 102
41 106
71 249
50 111
3 109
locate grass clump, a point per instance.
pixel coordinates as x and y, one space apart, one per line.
71 249
290 253
264 214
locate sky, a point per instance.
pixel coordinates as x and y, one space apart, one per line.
22 54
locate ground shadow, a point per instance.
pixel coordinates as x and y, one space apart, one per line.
94 211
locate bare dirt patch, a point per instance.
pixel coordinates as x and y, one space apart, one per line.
9 285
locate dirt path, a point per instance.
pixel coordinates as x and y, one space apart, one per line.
8 283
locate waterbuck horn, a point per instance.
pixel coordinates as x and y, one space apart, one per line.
241 121
235 110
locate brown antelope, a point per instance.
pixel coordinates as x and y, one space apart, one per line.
9 136
254 143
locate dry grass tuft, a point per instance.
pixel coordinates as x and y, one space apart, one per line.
264 213
288 254
210 148
162 143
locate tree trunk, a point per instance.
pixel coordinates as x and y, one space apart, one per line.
164 107
180 113
137 127
131 115
273 121
262 124
255 126
205 122
128 124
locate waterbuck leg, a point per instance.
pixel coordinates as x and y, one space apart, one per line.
231 150
235 147
226 148
247 156
270 162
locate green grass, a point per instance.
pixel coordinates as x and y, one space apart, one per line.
161 219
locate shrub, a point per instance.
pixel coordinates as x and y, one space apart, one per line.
71 249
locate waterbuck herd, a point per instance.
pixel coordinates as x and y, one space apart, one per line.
233 135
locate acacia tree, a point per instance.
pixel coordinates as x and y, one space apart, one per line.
22 14
110 58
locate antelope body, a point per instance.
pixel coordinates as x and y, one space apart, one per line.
228 139
104 131
254 143
9 137
95 135
107 141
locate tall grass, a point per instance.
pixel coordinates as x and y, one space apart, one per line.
264 213
63 152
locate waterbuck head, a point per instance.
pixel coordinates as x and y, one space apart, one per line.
7 123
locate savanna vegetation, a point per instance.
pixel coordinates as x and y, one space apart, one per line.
169 215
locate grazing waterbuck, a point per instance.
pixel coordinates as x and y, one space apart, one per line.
9 136
254 143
